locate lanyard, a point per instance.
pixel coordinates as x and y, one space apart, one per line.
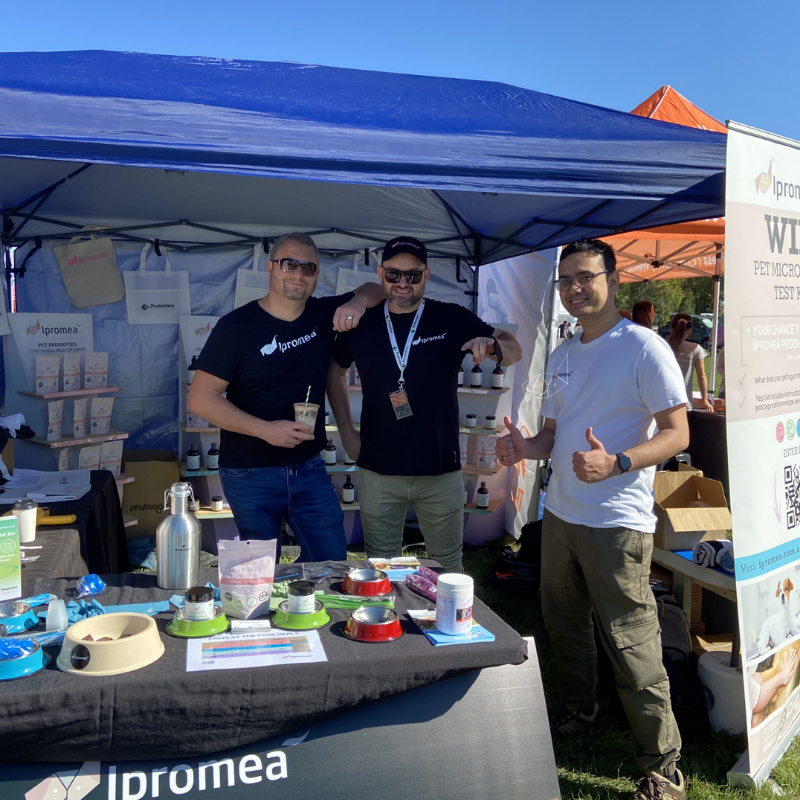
402 362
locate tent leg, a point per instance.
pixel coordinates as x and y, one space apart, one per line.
717 278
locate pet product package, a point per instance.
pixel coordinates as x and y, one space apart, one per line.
96 371
47 368
79 418
463 442
195 421
89 457
111 457
246 572
72 372
63 459
101 415
55 416
487 456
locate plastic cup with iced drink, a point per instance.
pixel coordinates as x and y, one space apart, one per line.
306 413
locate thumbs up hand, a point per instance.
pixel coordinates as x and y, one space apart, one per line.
511 448
594 465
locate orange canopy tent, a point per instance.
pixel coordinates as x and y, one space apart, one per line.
687 250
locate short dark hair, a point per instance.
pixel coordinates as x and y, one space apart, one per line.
294 236
593 247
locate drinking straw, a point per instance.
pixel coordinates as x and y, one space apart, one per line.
308 394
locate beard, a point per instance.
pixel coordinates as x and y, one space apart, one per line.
295 292
405 302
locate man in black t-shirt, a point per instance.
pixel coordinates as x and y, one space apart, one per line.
268 355
408 351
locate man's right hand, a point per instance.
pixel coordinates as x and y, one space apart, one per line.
285 433
351 441
511 448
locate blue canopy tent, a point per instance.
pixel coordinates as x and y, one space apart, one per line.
168 147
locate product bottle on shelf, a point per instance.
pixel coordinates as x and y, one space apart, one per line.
191 370
476 376
212 458
460 376
348 462
482 498
348 491
465 494
327 417
498 377
193 458
329 453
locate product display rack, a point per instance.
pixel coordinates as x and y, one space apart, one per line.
472 508
186 429
71 441
71 393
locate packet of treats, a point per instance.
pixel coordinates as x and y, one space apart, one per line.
246 572
47 368
111 457
95 372
79 417
101 415
72 372
487 456
463 443
63 459
89 457
55 416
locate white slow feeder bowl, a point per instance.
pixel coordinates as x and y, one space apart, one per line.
134 643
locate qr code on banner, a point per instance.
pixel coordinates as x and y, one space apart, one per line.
791 485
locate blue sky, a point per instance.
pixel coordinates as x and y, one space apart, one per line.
736 60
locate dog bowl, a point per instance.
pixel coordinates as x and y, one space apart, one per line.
29 659
300 622
197 628
367 583
16 617
373 624
132 642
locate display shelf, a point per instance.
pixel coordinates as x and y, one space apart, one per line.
196 473
122 479
353 388
472 508
207 513
333 469
474 469
350 506
482 390
73 393
186 429
129 521
481 431
70 441
335 428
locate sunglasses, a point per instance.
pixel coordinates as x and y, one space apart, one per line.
583 280
412 276
308 268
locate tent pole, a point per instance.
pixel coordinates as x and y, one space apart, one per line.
717 278
474 291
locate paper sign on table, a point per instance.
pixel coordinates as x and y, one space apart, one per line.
426 621
10 566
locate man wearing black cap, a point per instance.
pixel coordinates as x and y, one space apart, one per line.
408 351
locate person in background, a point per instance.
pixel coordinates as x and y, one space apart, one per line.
690 358
721 371
625 314
644 313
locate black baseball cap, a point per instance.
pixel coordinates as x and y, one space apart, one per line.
405 244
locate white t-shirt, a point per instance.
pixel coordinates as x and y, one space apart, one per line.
688 355
614 385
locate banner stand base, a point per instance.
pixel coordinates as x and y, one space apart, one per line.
740 775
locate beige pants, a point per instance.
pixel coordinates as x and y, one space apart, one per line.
438 501
606 572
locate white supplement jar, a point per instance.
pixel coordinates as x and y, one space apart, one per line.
454 603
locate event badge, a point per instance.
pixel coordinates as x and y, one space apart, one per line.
399 399
400 404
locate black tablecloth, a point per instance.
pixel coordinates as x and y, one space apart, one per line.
60 555
104 546
708 446
163 711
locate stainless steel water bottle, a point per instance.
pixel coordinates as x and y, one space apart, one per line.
178 541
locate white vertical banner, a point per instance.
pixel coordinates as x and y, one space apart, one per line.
762 383
518 290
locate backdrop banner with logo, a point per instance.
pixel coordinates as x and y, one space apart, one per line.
762 381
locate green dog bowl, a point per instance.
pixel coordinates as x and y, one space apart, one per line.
300 622
197 628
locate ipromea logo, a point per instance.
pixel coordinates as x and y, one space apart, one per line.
269 349
764 180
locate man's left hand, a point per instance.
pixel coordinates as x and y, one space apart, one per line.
595 465
481 347
348 315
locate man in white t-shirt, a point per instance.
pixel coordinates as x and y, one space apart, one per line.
621 411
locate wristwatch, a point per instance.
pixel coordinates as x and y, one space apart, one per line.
624 462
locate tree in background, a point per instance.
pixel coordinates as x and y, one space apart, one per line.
692 295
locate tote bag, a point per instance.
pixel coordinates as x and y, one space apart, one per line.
156 298
250 283
89 270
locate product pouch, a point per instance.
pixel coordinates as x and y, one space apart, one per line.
79 418
487 456
111 457
89 457
246 573
101 415
47 368
55 416
72 372
63 459
96 371
463 441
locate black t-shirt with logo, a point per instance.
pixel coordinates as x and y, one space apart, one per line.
269 364
426 443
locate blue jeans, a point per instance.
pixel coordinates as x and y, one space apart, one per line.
302 494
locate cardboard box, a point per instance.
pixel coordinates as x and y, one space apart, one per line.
712 643
682 522
155 471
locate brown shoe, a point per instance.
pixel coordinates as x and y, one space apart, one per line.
656 787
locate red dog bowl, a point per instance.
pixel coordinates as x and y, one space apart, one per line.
373 624
367 583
